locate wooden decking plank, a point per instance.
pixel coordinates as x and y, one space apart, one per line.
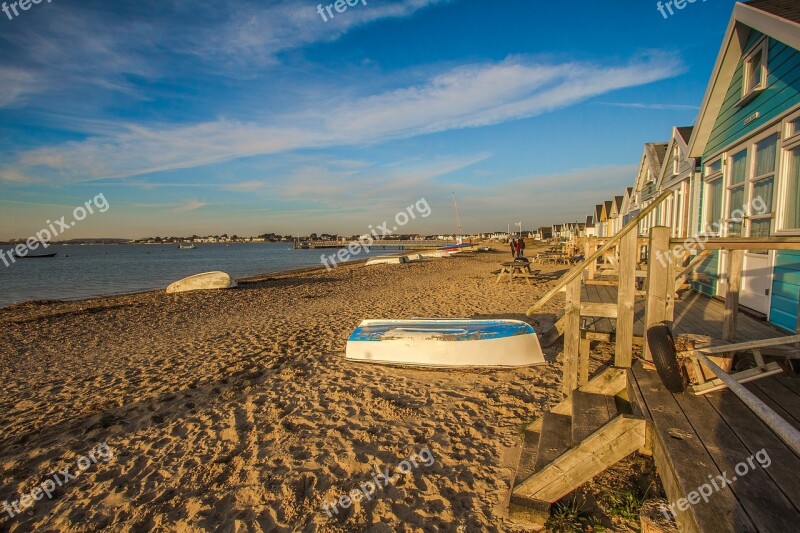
684 463
793 384
758 493
782 396
757 437
756 388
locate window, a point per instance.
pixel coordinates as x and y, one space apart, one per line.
755 70
793 129
736 193
713 204
676 160
763 184
713 168
791 218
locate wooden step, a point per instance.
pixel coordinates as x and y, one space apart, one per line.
555 439
590 412
616 440
527 460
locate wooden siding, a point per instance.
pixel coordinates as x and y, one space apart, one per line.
782 93
785 290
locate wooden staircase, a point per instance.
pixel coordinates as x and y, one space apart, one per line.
580 438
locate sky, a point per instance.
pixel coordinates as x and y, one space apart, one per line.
247 117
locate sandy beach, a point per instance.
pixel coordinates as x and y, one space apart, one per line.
235 410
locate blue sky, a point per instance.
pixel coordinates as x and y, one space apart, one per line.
245 117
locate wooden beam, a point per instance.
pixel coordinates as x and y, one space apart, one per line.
729 318
743 346
572 337
745 243
596 309
578 269
742 377
659 284
686 271
608 445
623 352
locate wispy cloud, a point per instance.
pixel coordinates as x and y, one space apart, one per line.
464 97
191 205
659 107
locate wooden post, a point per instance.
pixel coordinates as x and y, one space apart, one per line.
588 250
583 363
735 261
625 300
572 337
659 284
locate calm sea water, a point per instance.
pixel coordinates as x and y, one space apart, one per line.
85 271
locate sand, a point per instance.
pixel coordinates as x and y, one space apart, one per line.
236 411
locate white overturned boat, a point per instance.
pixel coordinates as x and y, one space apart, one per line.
201 282
445 343
387 260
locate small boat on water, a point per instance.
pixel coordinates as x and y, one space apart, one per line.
33 256
186 247
445 343
200 282
387 260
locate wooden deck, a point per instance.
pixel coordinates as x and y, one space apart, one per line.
700 441
694 313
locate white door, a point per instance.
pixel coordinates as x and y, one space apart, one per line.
750 192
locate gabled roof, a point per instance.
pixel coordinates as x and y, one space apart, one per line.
785 9
589 220
681 141
652 158
606 212
776 18
685 133
598 212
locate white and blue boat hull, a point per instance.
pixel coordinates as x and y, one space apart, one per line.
445 343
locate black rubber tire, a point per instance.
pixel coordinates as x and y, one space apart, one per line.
662 347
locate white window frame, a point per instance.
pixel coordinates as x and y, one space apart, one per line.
787 144
763 69
707 180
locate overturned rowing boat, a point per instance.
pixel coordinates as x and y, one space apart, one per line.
446 343
387 260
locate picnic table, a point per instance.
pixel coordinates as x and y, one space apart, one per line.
521 269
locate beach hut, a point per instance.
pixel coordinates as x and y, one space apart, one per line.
747 136
645 186
679 174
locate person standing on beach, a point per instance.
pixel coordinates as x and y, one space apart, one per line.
521 248
513 249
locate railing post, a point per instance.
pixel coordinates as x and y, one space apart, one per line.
572 336
625 300
660 288
735 262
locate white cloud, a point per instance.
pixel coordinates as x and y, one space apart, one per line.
191 205
464 97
